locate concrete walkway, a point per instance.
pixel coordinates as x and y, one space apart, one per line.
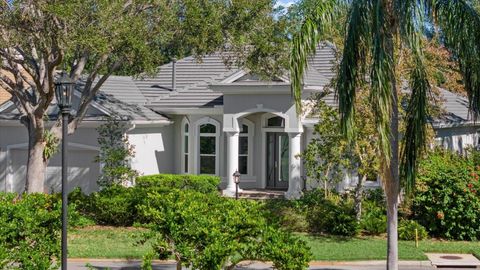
135 265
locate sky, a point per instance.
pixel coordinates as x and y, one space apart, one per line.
286 3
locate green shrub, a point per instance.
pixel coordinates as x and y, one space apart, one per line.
374 218
114 205
206 231
117 205
199 183
406 230
333 215
29 231
447 202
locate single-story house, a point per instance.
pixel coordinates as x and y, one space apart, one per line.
205 118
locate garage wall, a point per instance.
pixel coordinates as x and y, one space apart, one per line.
83 170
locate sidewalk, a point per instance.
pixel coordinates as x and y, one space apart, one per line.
79 264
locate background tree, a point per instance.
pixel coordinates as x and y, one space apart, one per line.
329 155
116 153
374 31
93 39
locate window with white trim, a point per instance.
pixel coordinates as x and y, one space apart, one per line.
275 121
186 128
243 149
208 149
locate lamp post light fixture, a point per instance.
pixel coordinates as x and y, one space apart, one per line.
63 91
236 179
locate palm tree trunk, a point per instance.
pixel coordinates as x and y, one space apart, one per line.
391 170
392 187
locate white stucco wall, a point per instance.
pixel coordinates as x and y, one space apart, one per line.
457 138
154 149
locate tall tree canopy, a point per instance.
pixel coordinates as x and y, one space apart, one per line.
375 31
96 38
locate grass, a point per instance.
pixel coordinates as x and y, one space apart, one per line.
119 243
106 242
371 248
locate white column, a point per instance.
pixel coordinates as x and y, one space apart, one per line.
232 161
295 181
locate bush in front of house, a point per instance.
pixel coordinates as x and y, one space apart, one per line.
409 229
207 231
447 201
374 218
116 205
199 183
29 231
333 214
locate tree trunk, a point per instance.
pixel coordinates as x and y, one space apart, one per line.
36 164
359 197
179 265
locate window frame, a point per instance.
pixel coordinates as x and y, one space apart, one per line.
250 146
185 151
198 136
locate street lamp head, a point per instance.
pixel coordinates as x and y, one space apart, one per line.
63 91
236 177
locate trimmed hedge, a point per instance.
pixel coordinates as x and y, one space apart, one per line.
199 183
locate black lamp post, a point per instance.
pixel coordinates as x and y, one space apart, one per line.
63 91
236 179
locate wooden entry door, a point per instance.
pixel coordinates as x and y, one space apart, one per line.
277 160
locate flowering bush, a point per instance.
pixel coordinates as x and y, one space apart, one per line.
447 202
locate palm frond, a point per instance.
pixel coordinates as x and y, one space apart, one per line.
382 77
304 44
352 68
460 25
411 21
416 120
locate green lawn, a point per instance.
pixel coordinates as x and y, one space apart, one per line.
105 242
110 242
369 248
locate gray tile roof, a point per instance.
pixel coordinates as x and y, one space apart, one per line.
456 108
117 96
194 79
454 105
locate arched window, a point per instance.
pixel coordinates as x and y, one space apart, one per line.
208 146
275 121
185 146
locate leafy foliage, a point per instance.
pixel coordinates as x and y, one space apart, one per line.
206 231
446 202
406 230
199 183
333 215
374 219
29 231
115 153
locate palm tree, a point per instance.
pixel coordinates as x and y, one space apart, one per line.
374 30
